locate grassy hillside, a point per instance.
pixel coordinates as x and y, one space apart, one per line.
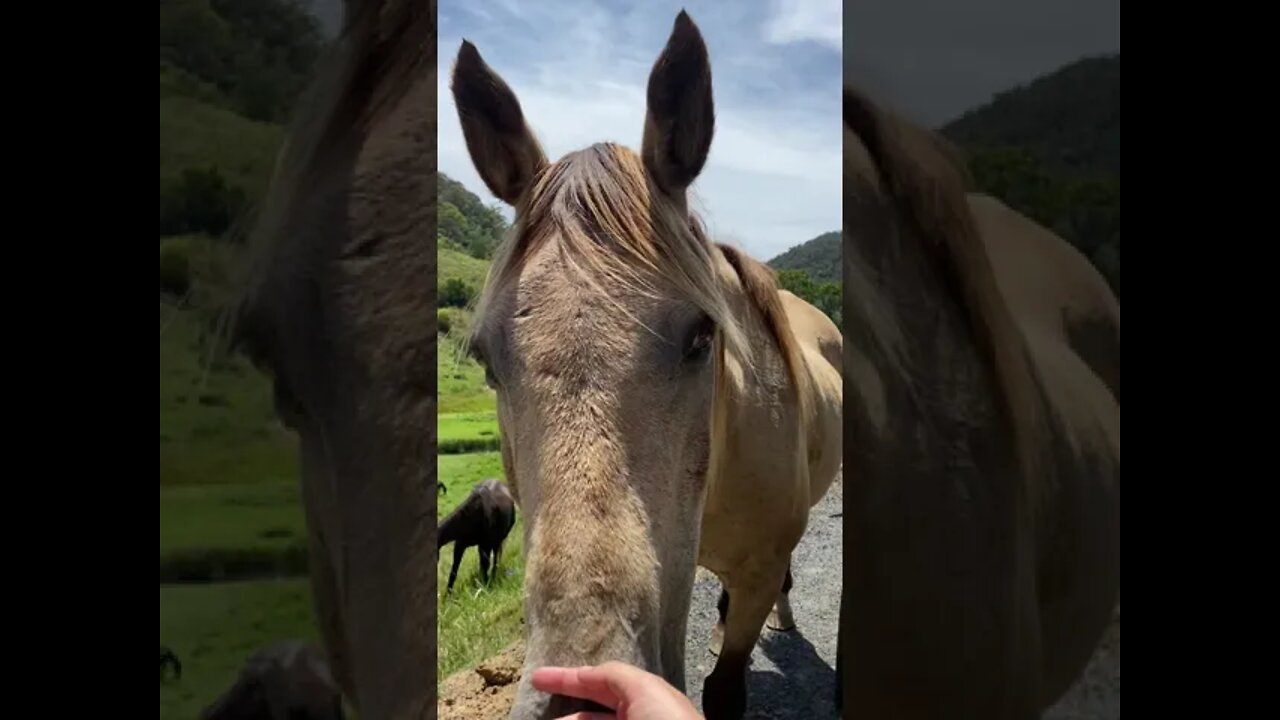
217 422
197 135
229 496
454 264
819 258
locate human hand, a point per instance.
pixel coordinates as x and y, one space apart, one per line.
630 692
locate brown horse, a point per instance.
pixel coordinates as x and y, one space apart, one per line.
482 520
341 313
983 500
662 404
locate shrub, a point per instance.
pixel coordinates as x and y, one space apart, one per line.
200 201
456 293
444 321
463 446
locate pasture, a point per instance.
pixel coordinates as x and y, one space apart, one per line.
214 627
475 621
232 536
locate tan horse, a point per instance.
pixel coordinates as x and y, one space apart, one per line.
661 403
983 502
341 312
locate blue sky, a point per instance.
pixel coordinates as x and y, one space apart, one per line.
580 69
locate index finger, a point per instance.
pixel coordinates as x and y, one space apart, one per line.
581 682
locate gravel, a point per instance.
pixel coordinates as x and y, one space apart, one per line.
792 674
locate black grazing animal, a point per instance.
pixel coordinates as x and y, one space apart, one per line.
483 519
441 489
288 680
170 659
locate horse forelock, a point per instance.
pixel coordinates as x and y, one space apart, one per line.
923 182
617 231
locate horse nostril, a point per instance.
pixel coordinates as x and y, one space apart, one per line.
561 706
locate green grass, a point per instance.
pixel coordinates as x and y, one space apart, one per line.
217 423
195 134
231 531
461 382
230 516
466 426
215 628
475 622
467 432
452 264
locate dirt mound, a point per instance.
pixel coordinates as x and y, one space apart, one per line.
483 692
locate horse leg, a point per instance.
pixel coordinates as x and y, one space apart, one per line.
717 632
780 618
484 564
724 695
458 550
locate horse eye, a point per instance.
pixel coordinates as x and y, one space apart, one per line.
697 344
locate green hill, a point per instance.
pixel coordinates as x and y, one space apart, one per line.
1051 149
819 258
464 223
455 265
1068 120
230 73
196 135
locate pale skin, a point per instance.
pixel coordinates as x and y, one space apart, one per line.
631 693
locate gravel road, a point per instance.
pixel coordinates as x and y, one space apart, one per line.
792 674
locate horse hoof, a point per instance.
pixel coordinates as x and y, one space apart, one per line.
717 640
724 698
780 621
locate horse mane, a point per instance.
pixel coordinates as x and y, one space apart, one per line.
382 46
598 202
761 286
924 180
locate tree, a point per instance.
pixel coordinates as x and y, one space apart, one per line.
827 297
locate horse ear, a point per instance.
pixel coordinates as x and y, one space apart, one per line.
681 114
502 147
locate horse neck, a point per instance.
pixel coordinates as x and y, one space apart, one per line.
921 374
447 530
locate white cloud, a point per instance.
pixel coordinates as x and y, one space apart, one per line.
773 177
797 20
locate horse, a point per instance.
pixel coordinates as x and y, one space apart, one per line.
338 309
287 680
168 658
983 501
482 520
441 489
662 403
